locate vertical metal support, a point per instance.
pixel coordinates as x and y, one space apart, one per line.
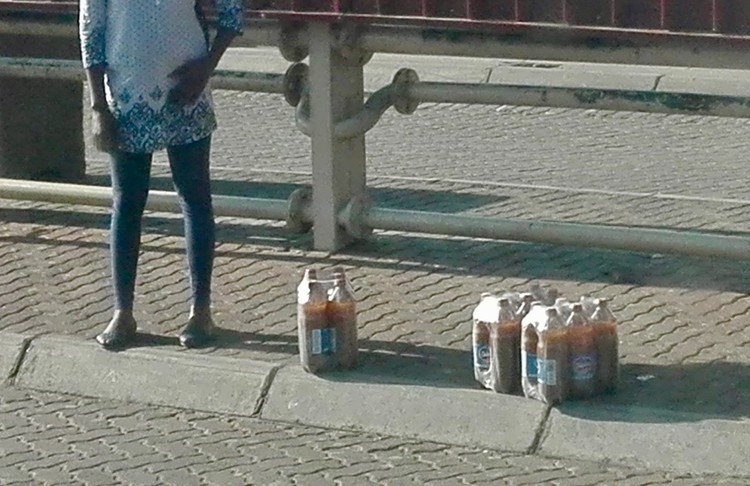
338 166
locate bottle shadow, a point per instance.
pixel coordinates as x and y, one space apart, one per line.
648 393
656 393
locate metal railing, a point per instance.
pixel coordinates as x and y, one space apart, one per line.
338 207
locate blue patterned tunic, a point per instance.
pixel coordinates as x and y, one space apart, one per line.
139 43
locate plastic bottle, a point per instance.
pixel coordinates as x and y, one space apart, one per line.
484 313
342 317
529 344
589 305
505 335
551 296
564 308
340 270
538 292
607 345
525 306
552 351
317 340
513 297
582 352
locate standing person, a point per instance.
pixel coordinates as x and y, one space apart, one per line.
148 63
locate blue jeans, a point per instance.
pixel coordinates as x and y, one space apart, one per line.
131 174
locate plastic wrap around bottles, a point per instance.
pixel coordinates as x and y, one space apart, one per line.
563 349
496 338
552 354
529 343
582 354
326 322
606 340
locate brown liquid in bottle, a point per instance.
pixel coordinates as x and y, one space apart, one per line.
342 316
505 349
529 345
316 341
552 351
607 345
582 352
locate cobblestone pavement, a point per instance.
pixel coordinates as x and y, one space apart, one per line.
58 439
684 336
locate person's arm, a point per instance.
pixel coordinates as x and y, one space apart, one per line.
92 33
193 76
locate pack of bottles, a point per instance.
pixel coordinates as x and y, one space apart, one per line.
326 322
496 340
549 347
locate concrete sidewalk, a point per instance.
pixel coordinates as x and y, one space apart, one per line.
684 403
380 70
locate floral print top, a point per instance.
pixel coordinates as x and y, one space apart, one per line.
139 43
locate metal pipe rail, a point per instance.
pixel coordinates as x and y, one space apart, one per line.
160 201
407 88
571 234
590 98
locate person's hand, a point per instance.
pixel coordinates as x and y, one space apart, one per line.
104 130
191 79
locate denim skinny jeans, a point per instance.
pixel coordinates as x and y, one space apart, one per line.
131 173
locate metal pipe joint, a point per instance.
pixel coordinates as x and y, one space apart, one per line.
395 94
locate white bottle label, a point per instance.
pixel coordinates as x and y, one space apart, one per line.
324 341
482 357
547 371
583 367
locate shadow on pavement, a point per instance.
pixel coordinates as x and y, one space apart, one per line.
380 361
648 393
450 255
663 393
392 198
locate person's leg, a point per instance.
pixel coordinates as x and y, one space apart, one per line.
191 176
130 181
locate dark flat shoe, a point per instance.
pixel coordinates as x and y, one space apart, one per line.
198 332
118 334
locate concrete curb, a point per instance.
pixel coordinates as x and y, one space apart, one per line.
654 439
159 377
12 348
450 415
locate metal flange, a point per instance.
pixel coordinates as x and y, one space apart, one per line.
295 82
289 45
402 102
353 216
348 45
299 200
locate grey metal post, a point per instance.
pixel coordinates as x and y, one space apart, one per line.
338 166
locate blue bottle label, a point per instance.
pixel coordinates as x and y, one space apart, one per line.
530 365
324 341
